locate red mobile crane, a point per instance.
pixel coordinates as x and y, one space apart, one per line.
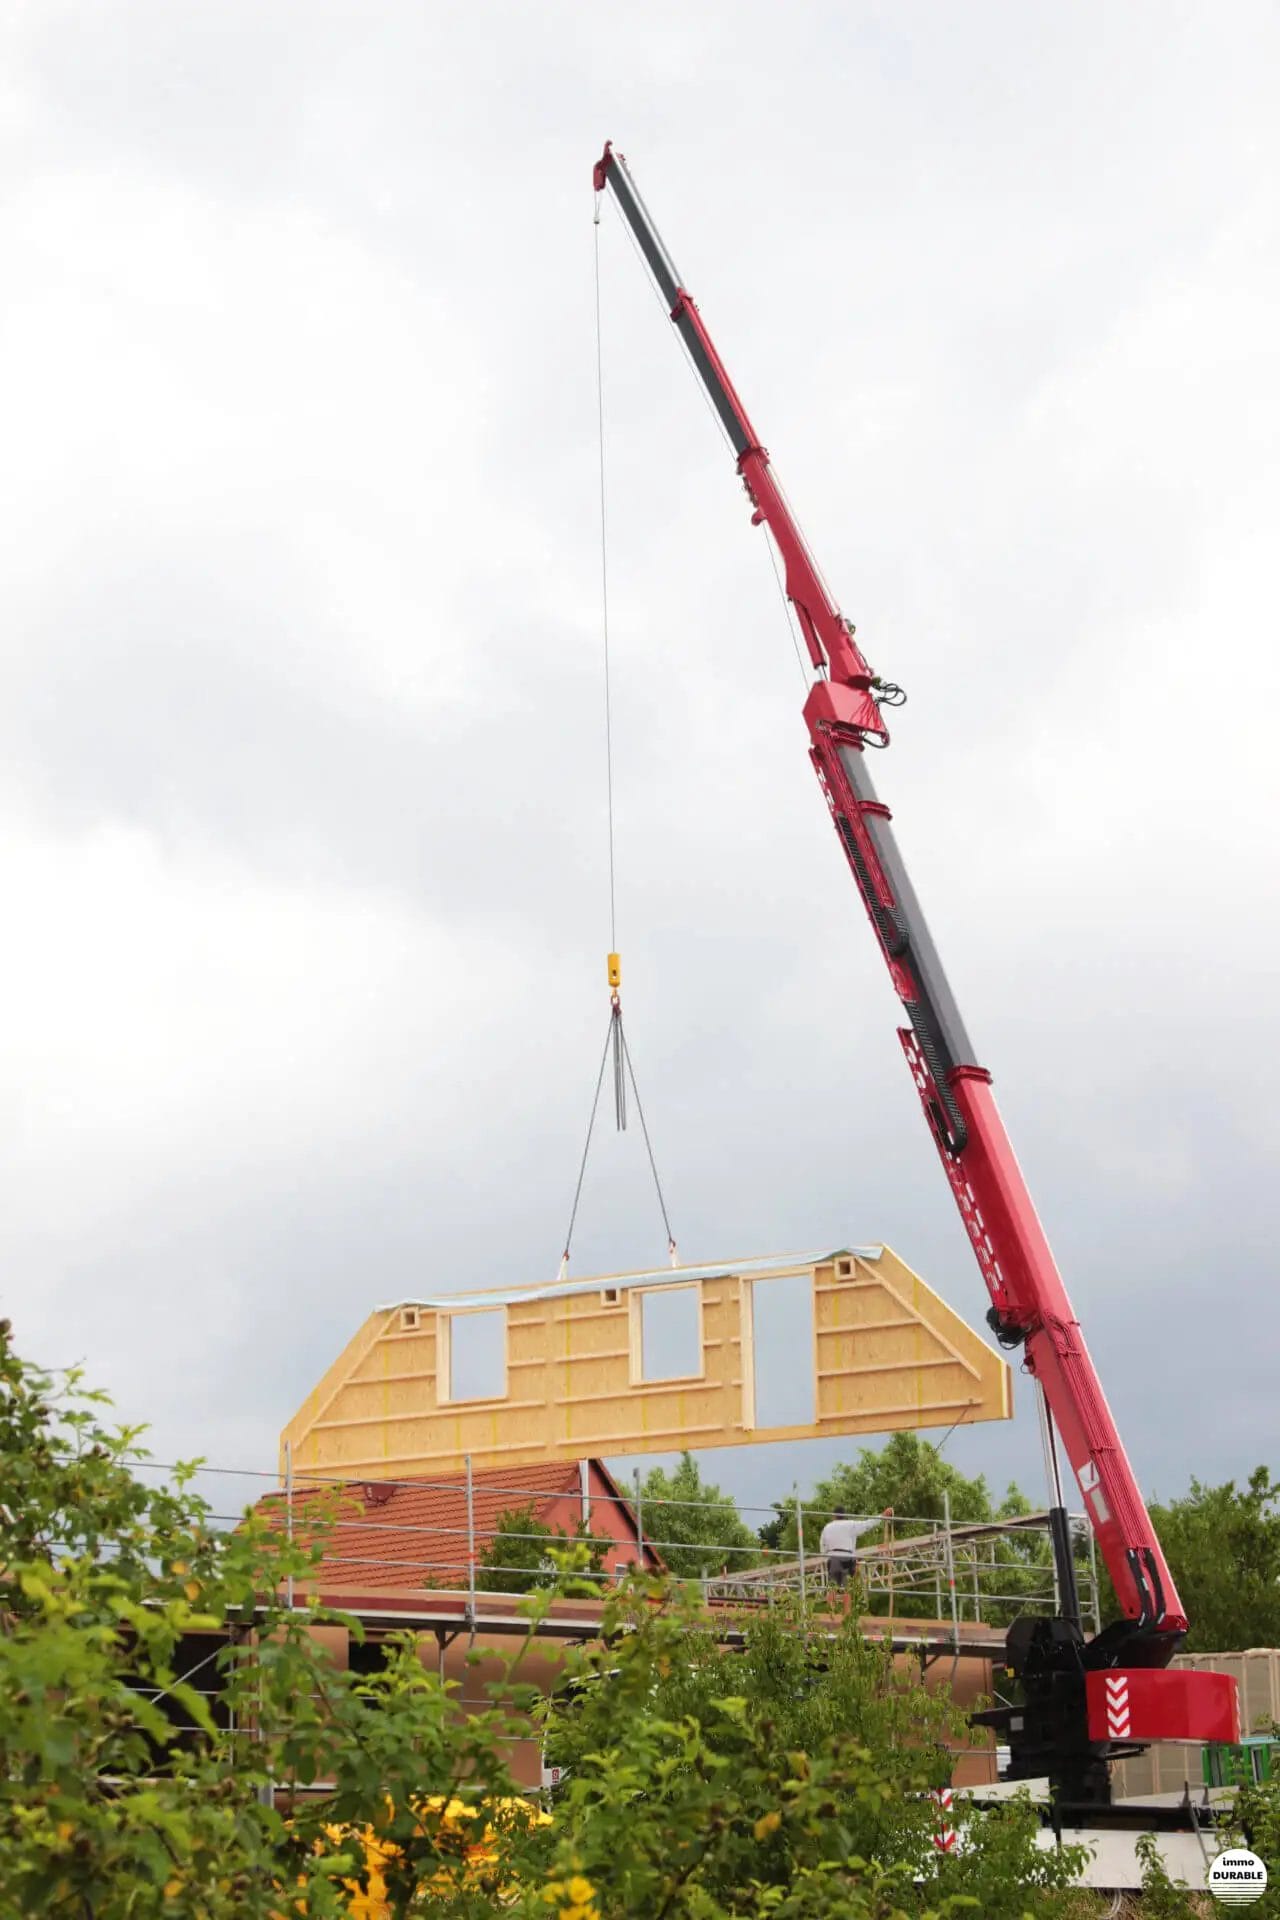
1085 1701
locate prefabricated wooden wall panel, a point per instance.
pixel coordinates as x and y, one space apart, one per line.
887 1353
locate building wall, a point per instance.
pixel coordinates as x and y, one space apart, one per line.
604 1514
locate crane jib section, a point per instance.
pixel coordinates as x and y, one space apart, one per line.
1029 1304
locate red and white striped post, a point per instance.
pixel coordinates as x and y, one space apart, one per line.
944 1831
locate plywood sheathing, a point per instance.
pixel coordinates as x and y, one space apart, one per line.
887 1354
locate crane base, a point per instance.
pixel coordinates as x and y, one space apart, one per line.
1049 1735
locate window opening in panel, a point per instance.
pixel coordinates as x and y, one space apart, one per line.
669 1334
476 1355
783 1349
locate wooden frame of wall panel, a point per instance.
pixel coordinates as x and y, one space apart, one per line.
888 1353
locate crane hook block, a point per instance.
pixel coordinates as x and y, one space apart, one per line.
615 971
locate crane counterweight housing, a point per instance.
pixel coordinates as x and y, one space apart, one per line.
1085 1700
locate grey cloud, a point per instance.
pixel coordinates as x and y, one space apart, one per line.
300 719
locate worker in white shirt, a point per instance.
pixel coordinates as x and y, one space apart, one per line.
839 1544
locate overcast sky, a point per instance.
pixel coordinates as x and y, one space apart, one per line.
302 845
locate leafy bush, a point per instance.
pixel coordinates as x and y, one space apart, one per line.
105 1808
782 1780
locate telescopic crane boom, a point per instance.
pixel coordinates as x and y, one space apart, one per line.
1085 1700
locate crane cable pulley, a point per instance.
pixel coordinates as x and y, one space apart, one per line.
615 1044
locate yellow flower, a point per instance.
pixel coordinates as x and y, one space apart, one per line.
767 1823
577 1893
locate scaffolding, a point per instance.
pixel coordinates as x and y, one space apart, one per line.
931 1591
930 1583
982 1571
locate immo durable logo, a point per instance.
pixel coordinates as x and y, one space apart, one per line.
1237 1877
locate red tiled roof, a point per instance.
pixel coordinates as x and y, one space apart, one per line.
414 1534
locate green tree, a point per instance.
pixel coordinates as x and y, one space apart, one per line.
1223 1548
910 1475
524 1554
1019 1575
769 1534
701 1531
907 1474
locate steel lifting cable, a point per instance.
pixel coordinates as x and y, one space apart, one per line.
604 593
615 1043
586 1148
653 1165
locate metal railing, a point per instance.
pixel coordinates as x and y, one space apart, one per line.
979 1572
925 1567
